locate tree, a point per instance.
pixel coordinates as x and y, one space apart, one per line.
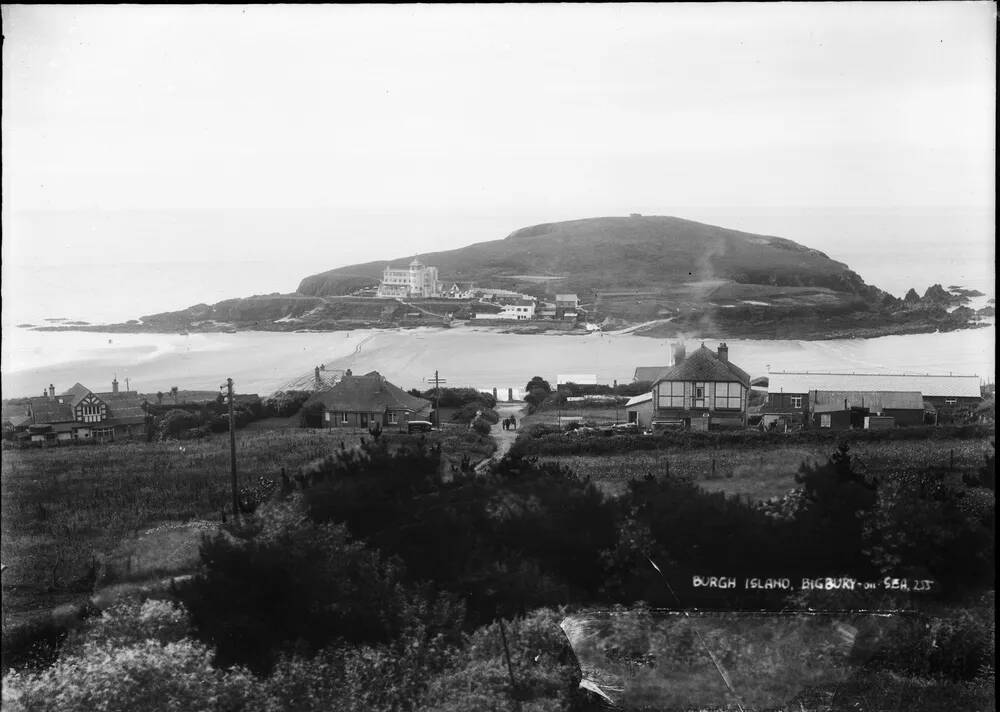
538 383
173 393
911 296
159 398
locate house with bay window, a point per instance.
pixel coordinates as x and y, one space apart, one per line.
701 391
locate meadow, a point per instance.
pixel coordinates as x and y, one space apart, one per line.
64 509
762 473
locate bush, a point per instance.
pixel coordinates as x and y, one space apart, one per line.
286 583
285 404
481 426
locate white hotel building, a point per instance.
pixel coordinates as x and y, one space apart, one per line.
417 280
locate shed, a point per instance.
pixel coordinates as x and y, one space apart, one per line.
639 410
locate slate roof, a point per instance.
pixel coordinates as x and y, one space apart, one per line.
930 385
124 407
369 393
648 373
51 410
875 401
77 393
705 365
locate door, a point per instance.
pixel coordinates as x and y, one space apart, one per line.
364 419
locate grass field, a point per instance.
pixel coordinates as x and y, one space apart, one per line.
63 508
762 473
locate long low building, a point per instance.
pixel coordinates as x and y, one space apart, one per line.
793 396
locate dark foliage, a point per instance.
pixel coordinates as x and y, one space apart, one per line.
523 536
286 584
286 404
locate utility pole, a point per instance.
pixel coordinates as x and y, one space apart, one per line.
232 445
437 398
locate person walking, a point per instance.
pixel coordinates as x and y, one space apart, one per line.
513 423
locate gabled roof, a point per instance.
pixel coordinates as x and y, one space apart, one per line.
77 393
930 385
705 365
648 373
875 401
567 298
368 393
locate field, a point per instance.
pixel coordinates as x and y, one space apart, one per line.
763 473
65 509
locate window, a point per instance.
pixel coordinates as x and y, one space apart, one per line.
393 418
796 401
699 396
326 416
728 396
824 420
950 401
343 418
671 394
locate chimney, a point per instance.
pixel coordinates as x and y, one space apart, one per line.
724 352
52 391
114 385
679 352
348 372
318 382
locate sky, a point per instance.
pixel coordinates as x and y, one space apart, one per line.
260 144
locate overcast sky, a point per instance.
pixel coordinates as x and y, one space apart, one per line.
445 125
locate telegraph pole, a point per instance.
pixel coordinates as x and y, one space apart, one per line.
437 398
232 445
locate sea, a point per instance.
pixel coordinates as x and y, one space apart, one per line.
85 281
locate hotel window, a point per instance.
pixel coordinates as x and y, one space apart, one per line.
672 394
796 401
728 396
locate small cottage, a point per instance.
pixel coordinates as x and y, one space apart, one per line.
363 401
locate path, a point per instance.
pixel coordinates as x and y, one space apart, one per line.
504 438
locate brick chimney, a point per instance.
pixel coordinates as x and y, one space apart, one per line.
724 352
114 385
316 373
52 391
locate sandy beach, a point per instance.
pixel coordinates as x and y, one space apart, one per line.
262 361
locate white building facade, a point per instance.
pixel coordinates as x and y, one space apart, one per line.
417 280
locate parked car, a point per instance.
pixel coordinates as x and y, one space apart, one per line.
419 426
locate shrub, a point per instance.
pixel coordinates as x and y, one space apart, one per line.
286 583
143 675
481 426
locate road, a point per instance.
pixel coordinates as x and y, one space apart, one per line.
503 438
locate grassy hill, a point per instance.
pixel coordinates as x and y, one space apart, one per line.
594 254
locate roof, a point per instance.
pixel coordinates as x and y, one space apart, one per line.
77 393
641 398
580 379
51 410
705 365
368 393
123 406
648 373
877 401
930 385
567 298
